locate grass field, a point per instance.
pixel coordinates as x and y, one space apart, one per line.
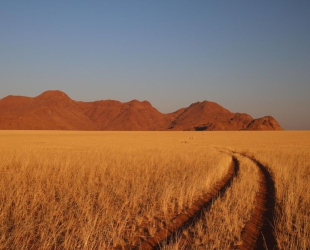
100 190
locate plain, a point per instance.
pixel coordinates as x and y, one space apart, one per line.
99 190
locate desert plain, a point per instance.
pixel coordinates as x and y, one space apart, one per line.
154 190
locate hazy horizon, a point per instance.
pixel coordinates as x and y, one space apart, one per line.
249 57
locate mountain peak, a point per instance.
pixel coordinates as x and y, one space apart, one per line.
264 123
144 104
53 93
208 107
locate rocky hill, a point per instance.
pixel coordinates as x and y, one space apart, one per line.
54 110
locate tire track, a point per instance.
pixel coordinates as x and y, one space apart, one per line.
258 232
184 220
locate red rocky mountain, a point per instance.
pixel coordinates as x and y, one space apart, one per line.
56 110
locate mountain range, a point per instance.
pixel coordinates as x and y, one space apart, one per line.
55 110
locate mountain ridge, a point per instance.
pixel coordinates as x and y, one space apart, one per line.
55 110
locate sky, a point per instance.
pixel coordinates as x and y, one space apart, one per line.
248 56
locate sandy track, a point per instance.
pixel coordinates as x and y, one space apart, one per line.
192 214
258 232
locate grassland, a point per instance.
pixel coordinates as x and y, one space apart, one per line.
99 190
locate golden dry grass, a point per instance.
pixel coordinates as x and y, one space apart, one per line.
96 190
221 226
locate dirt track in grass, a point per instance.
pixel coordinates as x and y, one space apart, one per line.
192 214
258 231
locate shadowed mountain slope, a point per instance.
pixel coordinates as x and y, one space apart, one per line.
56 110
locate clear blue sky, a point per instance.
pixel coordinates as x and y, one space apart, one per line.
248 56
